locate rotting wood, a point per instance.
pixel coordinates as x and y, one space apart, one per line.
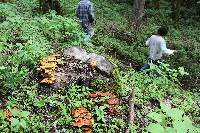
131 110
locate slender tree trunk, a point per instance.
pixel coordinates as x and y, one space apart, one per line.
48 5
132 110
157 4
176 4
138 13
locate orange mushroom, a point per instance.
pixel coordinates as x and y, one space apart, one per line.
83 119
112 102
48 66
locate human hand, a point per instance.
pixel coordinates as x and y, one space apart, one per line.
175 51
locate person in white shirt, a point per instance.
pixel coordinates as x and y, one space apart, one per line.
157 47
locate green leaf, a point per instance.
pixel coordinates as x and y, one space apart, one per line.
68 119
180 127
175 114
25 114
170 130
164 107
155 116
40 103
100 113
15 112
14 122
1 47
23 123
187 125
182 71
187 120
132 128
155 128
2 67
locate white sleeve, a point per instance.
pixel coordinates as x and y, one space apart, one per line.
165 49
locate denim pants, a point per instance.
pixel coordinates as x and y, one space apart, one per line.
89 32
147 66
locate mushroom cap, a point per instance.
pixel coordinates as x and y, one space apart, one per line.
113 101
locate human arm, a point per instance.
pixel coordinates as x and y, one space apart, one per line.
165 50
91 13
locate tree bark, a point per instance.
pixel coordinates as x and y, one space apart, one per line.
132 110
176 4
138 13
48 5
157 4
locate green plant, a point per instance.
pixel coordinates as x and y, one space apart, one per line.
65 112
100 113
165 71
76 96
19 121
170 121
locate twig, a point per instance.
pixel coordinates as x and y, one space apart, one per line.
131 108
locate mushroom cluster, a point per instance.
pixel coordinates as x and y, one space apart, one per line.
83 119
112 100
48 66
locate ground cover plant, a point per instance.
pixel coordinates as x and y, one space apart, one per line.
32 41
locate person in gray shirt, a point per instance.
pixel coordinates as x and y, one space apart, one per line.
157 47
85 13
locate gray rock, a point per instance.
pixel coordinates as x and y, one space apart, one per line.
76 53
102 63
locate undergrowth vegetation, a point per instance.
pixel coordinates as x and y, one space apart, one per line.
27 36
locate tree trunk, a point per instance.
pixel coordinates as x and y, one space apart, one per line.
137 13
48 5
156 4
176 4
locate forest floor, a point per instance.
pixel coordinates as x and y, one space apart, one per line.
27 105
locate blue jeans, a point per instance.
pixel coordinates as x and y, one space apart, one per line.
89 31
147 66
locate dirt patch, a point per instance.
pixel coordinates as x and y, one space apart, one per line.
123 59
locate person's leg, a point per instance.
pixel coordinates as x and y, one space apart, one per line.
90 33
85 28
159 64
86 40
145 66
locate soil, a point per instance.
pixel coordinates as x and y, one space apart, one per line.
124 60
